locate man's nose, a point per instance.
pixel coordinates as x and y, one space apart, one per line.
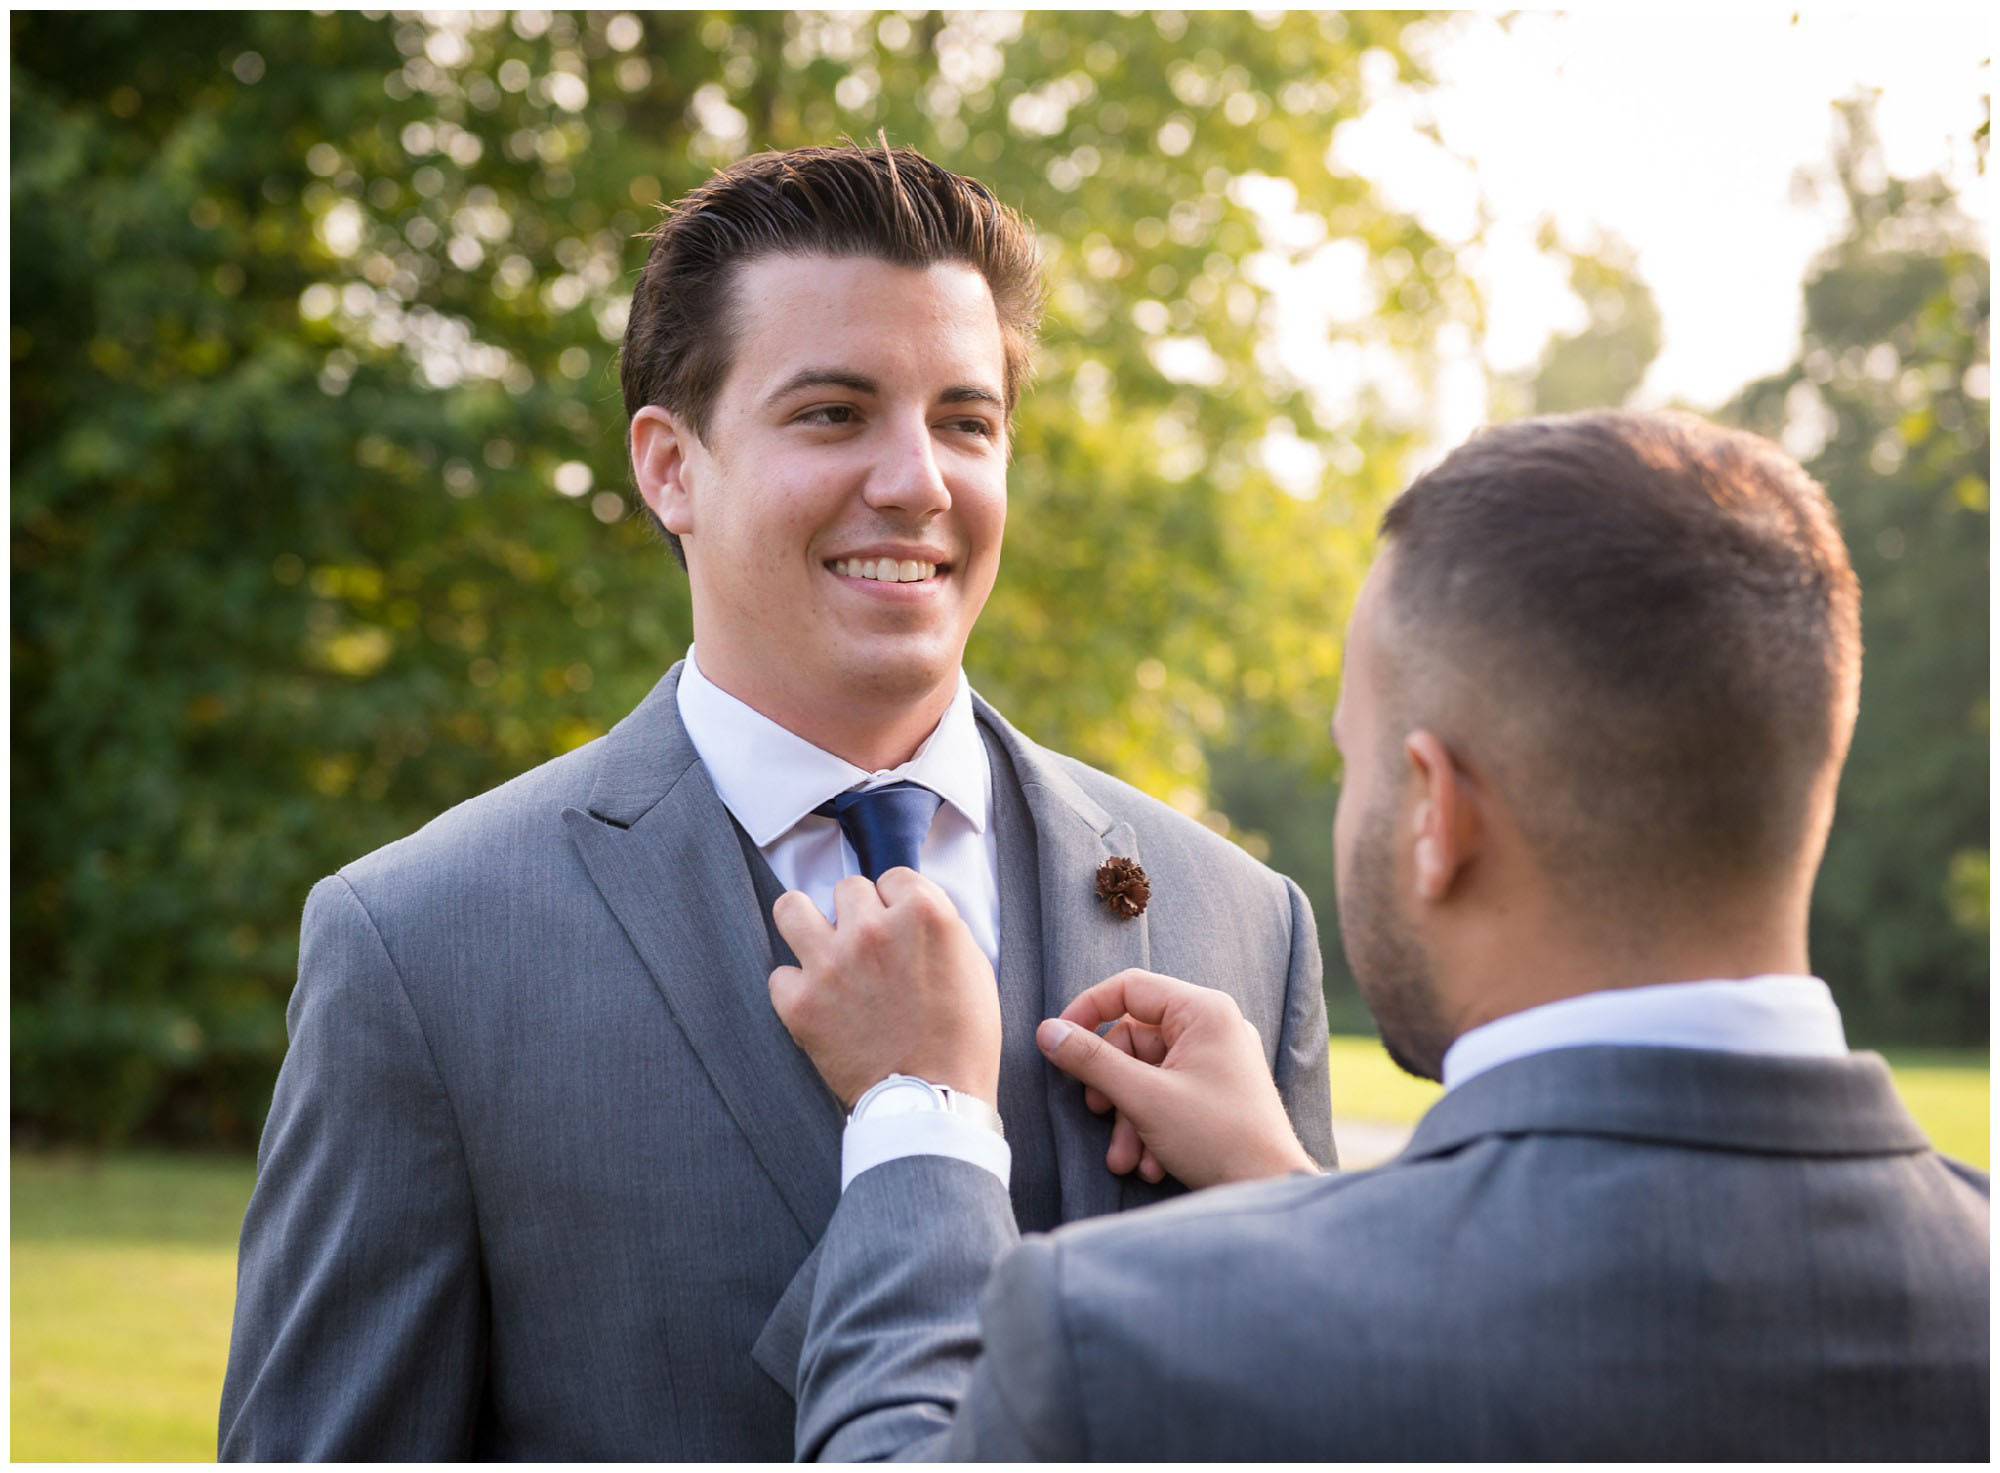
907 476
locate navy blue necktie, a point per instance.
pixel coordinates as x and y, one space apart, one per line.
885 825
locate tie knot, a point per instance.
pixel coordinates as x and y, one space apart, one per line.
885 825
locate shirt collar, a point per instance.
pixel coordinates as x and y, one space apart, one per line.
1770 1014
770 778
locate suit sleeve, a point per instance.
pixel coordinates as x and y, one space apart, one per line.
360 1322
1301 1066
894 1331
1024 1400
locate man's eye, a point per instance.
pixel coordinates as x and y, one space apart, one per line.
972 427
829 414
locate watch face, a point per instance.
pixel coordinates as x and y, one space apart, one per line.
904 1097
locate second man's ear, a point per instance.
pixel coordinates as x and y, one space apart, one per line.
1447 821
661 446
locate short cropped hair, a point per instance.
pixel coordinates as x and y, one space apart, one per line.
889 203
1654 625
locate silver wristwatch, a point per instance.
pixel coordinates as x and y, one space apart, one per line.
905 1094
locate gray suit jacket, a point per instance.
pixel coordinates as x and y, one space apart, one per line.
1595 1253
543 1169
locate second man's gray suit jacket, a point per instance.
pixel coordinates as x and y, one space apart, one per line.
544 1172
1589 1254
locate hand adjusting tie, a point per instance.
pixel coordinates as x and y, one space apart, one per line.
885 825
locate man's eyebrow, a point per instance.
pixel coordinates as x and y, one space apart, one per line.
832 378
841 378
971 394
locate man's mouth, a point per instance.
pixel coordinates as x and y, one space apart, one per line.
885 570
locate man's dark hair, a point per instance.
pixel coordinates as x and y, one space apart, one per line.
1654 623
889 203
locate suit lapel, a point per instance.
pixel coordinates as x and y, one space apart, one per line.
1081 941
665 855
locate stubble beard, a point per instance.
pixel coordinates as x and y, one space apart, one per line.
1391 969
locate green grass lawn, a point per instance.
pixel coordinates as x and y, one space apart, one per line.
1949 1091
124 1275
124 1269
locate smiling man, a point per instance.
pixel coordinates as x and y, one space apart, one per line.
544 1174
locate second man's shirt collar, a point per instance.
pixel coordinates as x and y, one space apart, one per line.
1770 1014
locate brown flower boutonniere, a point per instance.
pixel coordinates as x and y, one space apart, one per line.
1123 887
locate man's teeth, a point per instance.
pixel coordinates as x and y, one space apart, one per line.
885 570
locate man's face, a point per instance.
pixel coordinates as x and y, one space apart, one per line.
1371 858
842 517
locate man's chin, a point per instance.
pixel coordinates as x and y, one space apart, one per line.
897 670
1415 1062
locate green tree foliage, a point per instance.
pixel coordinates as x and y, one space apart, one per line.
320 512
1888 406
1602 363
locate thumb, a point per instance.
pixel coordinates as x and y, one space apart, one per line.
1084 1056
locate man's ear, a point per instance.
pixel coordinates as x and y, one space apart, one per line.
661 447
1448 828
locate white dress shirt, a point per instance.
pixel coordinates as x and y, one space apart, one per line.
771 780
1771 1014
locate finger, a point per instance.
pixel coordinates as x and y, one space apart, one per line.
853 898
788 991
1144 995
1149 1045
1127 1150
1084 1056
1145 1044
1103 1003
1119 1036
805 930
902 886
915 897
1150 1168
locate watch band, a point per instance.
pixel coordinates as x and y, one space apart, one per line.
942 1098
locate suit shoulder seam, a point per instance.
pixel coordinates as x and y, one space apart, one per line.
1296 909
1282 1050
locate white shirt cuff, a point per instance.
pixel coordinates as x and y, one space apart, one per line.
867 1143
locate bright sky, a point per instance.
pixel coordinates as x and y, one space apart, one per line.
1681 133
